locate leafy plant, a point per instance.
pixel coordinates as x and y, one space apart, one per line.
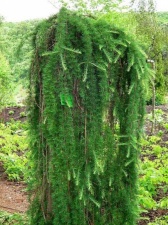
13 219
146 200
22 114
160 221
153 174
11 112
13 149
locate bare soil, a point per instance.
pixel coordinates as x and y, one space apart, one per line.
13 197
16 113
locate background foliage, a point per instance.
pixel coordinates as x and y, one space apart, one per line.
5 81
16 46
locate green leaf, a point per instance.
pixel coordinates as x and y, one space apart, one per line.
138 72
125 173
141 66
49 53
100 47
131 62
72 50
122 43
107 54
63 62
81 194
95 202
122 144
131 88
114 32
85 73
69 100
128 152
62 98
69 175
118 55
77 178
129 162
98 66
66 99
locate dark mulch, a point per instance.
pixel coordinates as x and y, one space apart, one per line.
16 113
152 215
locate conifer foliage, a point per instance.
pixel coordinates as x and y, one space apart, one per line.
87 95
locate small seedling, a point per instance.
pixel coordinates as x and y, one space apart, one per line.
11 112
22 114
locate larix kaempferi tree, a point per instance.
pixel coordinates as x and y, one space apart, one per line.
87 95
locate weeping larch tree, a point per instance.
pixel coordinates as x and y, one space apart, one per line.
87 95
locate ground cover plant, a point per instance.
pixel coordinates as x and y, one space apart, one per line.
14 146
12 219
87 87
154 170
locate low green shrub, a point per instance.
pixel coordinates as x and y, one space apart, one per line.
13 219
13 144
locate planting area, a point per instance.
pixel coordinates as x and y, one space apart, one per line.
153 190
14 200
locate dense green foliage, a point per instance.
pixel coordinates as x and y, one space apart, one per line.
87 95
154 40
163 18
16 45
